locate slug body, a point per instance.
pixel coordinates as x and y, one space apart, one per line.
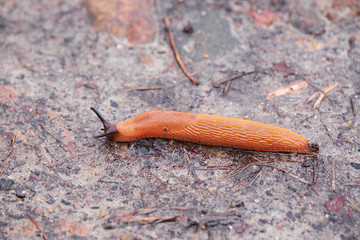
208 129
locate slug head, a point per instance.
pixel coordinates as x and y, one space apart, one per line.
109 128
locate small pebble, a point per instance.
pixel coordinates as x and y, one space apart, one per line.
5 184
355 165
20 194
188 28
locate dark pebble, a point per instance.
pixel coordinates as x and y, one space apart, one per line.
269 193
5 184
20 193
228 9
237 204
333 218
292 188
51 200
355 165
291 216
65 202
308 22
2 22
188 28
263 221
114 104
318 227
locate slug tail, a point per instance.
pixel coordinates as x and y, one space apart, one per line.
109 128
313 147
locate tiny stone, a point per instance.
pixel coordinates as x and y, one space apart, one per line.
237 204
269 193
5 184
65 202
20 194
228 9
355 165
291 216
292 188
51 200
114 104
188 28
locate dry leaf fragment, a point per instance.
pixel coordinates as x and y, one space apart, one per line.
131 20
7 94
335 203
263 16
284 68
81 229
77 228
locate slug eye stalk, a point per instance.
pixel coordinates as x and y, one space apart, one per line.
109 128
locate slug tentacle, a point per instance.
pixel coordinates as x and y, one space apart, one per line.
109 128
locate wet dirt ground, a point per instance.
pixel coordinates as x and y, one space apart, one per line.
59 58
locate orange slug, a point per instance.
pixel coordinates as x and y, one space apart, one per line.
207 129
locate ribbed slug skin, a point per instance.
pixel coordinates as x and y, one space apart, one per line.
212 130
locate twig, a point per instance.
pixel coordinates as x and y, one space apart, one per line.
326 128
287 90
353 109
352 205
218 84
322 93
149 220
289 173
227 87
145 89
59 141
170 208
217 167
234 172
37 226
316 170
191 168
11 148
257 175
267 165
2 171
333 175
312 97
166 21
